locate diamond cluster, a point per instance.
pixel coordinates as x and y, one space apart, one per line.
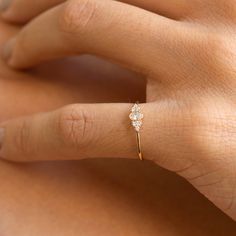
136 117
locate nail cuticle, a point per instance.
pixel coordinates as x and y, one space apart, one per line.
4 5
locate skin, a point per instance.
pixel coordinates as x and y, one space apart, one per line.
189 64
28 203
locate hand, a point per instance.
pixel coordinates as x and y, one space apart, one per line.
65 81
188 58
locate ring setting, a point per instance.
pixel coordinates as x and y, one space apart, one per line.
136 118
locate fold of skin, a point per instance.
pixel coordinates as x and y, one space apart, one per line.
91 197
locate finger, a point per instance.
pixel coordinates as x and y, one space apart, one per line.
21 11
24 10
73 132
175 9
104 28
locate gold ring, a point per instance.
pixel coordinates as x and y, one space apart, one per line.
136 118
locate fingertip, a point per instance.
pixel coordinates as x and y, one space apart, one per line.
6 12
7 51
4 5
9 13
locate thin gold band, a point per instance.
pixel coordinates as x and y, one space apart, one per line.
136 118
139 146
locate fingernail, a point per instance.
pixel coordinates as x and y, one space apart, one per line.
4 5
1 137
7 49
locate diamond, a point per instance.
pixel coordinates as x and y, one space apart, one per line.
135 108
137 125
136 121
136 116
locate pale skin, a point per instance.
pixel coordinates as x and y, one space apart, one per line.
188 58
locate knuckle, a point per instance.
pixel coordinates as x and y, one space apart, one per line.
75 126
213 53
77 15
223 9
214 132
214 45
206 130
205 42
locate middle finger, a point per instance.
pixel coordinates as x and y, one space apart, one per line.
105 28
